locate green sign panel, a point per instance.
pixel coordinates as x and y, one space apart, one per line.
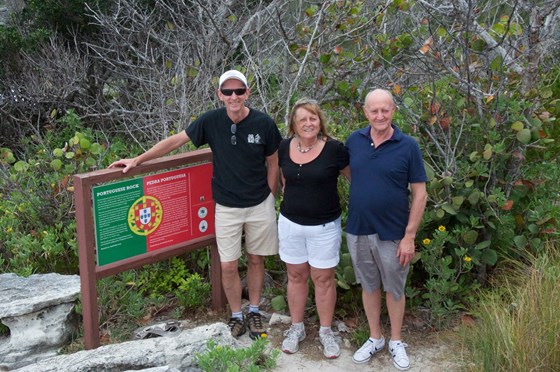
137 216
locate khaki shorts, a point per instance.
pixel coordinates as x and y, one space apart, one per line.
258 223
375 263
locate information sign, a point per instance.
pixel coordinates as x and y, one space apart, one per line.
154 212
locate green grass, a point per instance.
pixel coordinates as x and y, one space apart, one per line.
517 324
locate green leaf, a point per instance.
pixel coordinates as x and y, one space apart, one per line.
487 153
469 237
520 241
342 284
449 209
440 213
84 143
517 126
408 102
546 93
349 275
345 260
325 58
515 29
484 244
479 45
96 149
497 63
278 303
524 136
69 155
56 164
474 197
21 166
74 140
441 32
457 201
536 122
58 152
499 28
429 171
489 257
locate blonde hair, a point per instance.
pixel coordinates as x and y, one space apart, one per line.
312 106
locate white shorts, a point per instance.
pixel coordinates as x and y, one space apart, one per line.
319 245
259 224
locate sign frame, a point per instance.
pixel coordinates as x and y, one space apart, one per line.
90 272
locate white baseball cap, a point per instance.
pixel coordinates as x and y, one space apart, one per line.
232 74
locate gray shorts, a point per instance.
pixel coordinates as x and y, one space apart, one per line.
375 263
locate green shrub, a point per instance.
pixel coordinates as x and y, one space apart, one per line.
37 220
193 291
254 358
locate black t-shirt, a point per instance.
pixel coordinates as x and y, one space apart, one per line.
239 171
310 190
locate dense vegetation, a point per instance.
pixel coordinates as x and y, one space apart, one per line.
478 85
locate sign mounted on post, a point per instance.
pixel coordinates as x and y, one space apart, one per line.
141 215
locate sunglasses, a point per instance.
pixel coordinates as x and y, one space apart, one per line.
229 92
233 131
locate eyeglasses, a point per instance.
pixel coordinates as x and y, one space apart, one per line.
229 92
233 131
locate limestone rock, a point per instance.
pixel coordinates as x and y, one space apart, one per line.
162 354
38 310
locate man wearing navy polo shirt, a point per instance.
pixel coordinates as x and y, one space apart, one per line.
382 221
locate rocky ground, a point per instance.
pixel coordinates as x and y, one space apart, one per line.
428 350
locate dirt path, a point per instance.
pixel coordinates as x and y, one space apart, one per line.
428 351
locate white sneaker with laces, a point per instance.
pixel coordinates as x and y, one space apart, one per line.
330 347
294 336
398 353
368 349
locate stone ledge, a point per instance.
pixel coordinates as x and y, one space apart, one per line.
39 312
155 354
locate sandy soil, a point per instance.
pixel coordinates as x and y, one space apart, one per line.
428 351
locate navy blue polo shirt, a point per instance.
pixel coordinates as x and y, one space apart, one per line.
379 194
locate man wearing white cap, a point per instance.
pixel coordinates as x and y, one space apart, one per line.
244 145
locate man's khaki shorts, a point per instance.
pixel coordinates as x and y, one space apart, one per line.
258 223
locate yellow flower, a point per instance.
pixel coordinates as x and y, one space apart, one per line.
9 230
467 259
264 335
441 228
426 241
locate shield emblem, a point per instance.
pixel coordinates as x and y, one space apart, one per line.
145 215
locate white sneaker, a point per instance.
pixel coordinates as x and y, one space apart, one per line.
398 353
330 347
368 349
294 336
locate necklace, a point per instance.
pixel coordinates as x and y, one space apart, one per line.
303 151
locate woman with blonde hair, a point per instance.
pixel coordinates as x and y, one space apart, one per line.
309 226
